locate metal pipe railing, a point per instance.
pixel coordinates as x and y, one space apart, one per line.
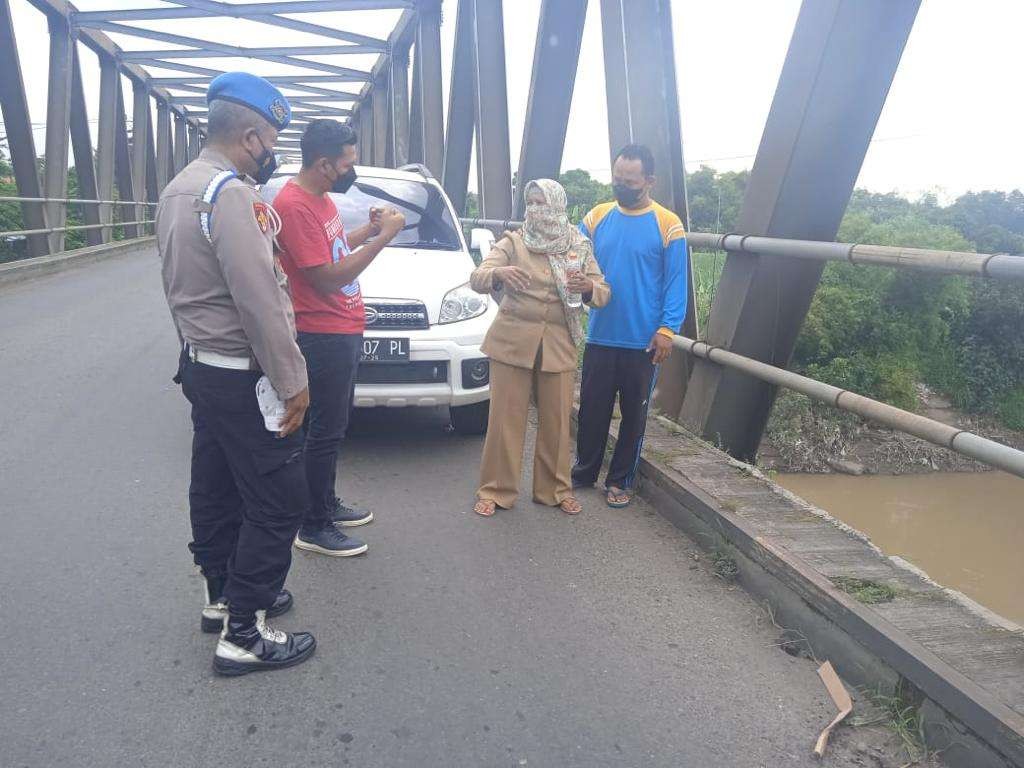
965 443
491 223
999 265
10 199
72 228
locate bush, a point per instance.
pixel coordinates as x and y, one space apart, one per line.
1011 409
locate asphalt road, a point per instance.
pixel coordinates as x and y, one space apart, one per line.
529 639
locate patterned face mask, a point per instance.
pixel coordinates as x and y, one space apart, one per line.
547 228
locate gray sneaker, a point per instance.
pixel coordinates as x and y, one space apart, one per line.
329 541
347 517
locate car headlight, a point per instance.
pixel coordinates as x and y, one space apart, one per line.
462 303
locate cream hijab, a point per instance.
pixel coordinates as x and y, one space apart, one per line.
547 231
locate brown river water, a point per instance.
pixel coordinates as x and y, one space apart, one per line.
966 530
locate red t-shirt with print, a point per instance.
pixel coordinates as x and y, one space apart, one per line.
312 234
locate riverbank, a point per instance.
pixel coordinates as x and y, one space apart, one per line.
808 437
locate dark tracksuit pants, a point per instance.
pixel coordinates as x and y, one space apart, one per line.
332 360
247 492
609 372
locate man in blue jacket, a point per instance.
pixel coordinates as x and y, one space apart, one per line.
641 248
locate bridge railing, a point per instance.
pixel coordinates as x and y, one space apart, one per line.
991 266
106 208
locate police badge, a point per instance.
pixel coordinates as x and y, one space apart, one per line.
278 110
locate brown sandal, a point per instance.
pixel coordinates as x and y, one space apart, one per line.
484 507
571 506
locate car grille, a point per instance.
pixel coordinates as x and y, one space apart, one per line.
397 316
415 372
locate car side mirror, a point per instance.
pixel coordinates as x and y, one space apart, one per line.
481 241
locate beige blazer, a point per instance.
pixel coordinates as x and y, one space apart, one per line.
533 319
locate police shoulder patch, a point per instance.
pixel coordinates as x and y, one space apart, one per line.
262 216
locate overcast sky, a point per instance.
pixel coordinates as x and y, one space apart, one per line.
951 123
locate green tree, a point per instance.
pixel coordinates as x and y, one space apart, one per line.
583 192
714 199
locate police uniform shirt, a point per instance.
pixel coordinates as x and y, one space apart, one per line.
228 297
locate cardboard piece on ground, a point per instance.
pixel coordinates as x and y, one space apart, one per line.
842 700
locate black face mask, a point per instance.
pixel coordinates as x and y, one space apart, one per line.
344 183
266 164
627 196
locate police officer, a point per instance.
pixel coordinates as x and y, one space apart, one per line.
230 305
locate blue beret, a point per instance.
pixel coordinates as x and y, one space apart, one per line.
253 92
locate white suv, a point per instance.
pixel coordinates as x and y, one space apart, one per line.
424 324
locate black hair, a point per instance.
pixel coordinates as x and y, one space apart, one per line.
641 153
325 138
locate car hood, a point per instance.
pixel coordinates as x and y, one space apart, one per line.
416 274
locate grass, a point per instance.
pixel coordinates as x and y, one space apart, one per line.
724 565
901 715
865 590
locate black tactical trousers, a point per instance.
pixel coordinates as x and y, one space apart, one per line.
248 491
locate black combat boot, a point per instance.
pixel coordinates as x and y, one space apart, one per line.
216 609
247 644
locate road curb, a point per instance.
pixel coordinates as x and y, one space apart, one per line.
24 269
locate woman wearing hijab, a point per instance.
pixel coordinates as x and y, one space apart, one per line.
546 271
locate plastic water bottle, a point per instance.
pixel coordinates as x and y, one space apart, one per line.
572 266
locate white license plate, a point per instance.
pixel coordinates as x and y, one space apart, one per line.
384 350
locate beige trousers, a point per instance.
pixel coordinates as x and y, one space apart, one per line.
502 461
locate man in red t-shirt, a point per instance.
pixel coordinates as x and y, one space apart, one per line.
323 267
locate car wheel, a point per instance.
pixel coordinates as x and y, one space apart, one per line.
470 419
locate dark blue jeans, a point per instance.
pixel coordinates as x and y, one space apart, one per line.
332 360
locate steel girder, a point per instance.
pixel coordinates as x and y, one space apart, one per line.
180 144
426 142
164 146
555 59
106 139
643 108
494 164
837 73
81 144
58 118
20 139
458 143
398 118
123 165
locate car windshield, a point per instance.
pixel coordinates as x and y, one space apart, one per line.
428 220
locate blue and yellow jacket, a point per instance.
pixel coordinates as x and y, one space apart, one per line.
643 256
